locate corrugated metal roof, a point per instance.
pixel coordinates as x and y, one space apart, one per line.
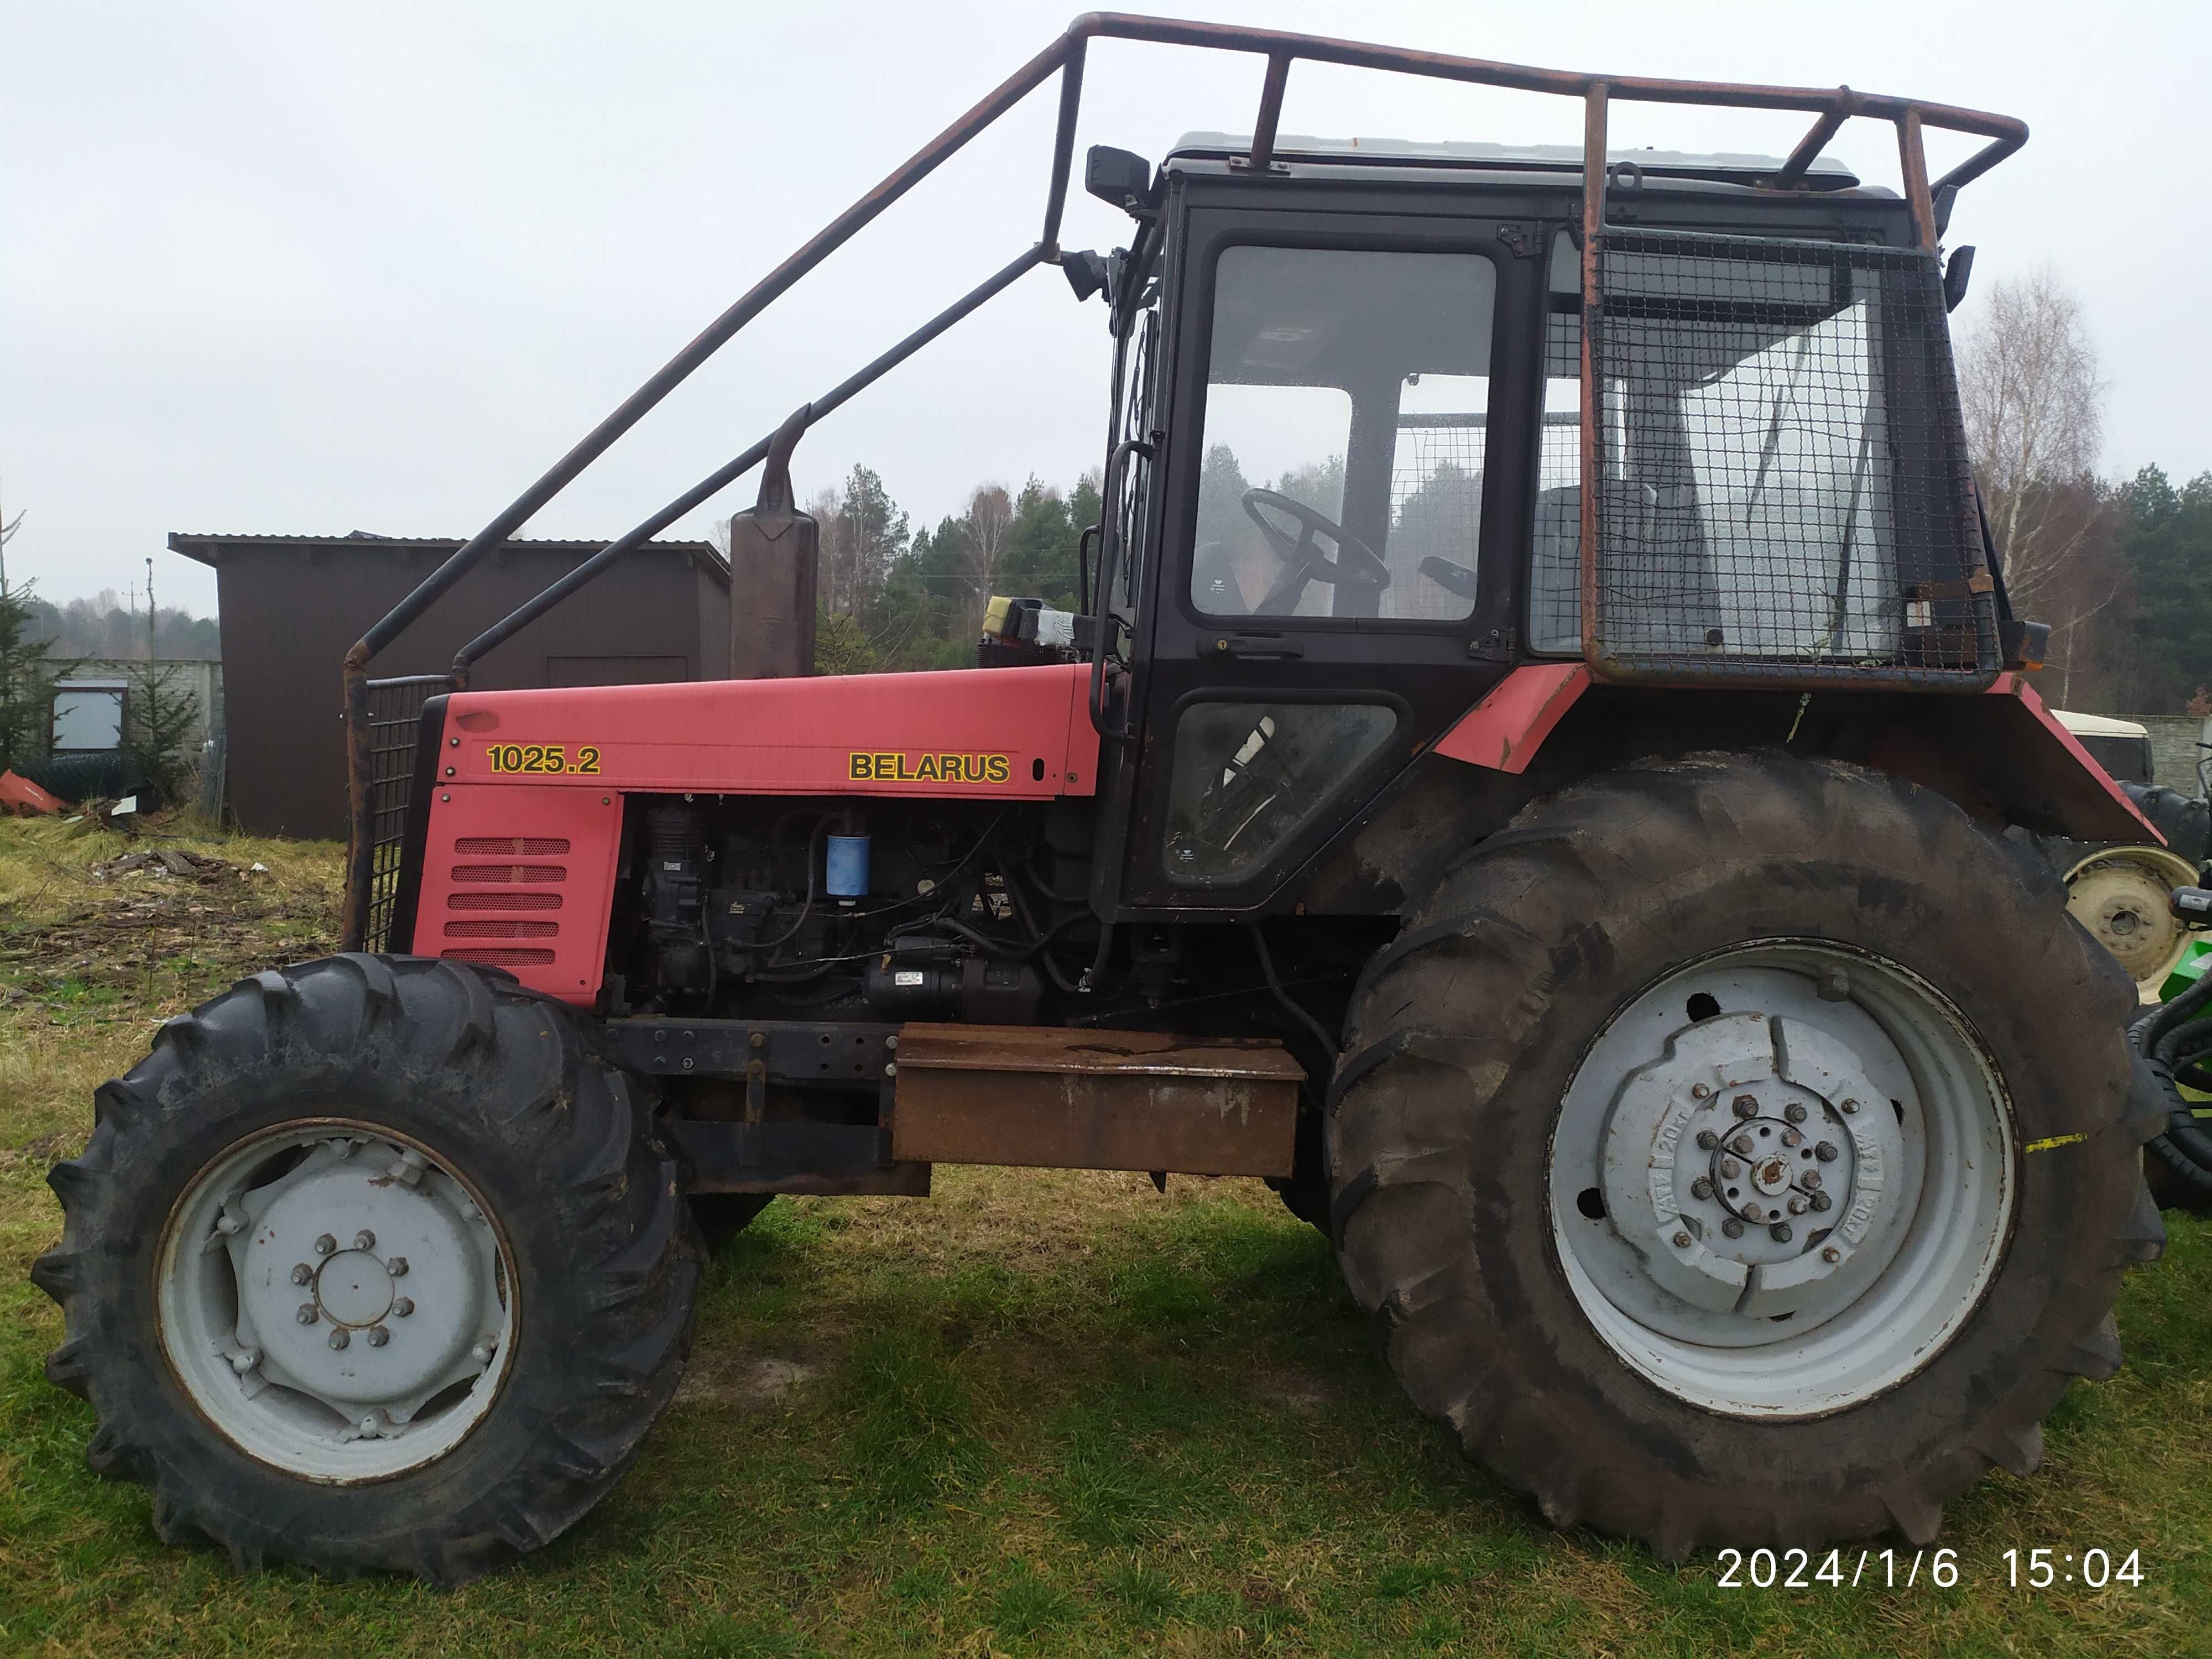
206 546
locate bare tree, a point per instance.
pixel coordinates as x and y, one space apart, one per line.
2034 400
2034 407
987 533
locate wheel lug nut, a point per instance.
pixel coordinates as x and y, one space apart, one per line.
1732 1227
1683 1241
303 1275
1794 1112
404 1306
1831 1255
1701 1187
1701 1090
1826 1151
1799 1204
1741 1145
1822 1201
1780 1232
338 1338
1751 1212
1707 1140
1793 1137
368 1426
243 1363
1850 1106
364 1240
326 1244
306 1316
378 1336
1745 1105
1812 1179
481 1354
397 1266
1730 1169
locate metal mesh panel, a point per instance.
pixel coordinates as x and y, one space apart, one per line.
395 725
1435 502
1783 491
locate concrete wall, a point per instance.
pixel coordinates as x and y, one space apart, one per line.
2174 750
201 678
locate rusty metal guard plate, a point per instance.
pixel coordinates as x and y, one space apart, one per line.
1053 1098
1780 469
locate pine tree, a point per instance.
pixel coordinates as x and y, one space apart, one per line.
159 719
27 670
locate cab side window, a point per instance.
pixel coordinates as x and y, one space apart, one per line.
1347 400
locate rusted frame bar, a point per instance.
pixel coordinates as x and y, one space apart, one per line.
714 482
1810 146
1271 111
1595 124
1912 162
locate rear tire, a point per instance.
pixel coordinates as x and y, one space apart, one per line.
335 1118
1455 1114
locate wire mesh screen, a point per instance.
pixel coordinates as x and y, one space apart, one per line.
395 725
1782 489
1435 512
1436 504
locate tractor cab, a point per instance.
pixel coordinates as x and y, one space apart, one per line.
1347 488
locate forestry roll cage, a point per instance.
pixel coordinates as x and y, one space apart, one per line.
377 797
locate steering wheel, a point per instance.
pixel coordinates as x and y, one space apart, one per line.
1355 562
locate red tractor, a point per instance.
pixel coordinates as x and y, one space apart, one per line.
1541 771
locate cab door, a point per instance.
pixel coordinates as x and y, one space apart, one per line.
1353 405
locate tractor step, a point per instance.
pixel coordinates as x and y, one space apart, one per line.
1051 1097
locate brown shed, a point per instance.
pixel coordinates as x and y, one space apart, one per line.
291 605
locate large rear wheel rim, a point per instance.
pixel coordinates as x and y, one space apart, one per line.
336 1300
1844 1215
2120 895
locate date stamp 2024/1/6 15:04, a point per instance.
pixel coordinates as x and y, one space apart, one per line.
2037 1569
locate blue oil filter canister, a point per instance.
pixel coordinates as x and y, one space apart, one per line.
847 872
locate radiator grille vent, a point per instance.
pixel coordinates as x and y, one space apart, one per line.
518 879
502 929
502 901
500 956
511 874
512 846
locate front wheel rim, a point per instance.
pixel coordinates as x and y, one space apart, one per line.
336 1300
1783 1178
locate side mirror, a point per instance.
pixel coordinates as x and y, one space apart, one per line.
1944 200
1958 271
1116 177
1086 274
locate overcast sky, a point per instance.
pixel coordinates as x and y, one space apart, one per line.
320 268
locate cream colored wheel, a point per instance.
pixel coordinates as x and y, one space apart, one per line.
2120 895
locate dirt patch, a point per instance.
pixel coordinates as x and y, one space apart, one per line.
1291 1391
170 906
43 1153
746 1382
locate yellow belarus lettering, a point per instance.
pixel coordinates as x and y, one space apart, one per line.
899 766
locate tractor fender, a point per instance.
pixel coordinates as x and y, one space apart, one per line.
2001 754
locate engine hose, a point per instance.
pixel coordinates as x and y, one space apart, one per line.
2163 1025
2184 1151
1330 1045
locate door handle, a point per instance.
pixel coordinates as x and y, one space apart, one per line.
1250 645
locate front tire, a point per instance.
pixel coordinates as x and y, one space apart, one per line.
369 1266
1758 941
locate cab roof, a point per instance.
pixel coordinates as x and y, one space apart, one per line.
1826 172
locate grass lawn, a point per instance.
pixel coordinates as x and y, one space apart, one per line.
1036 1413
